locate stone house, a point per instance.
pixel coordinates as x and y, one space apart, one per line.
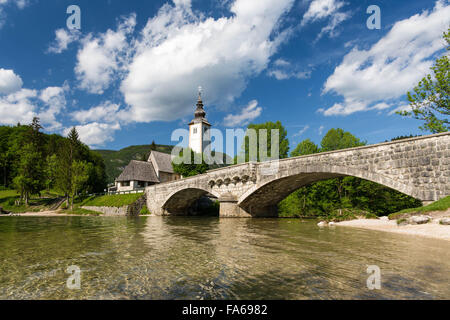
140 174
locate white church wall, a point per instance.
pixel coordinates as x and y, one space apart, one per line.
196 137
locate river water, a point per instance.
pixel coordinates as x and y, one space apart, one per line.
212 258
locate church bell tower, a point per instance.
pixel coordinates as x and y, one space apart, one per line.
199 134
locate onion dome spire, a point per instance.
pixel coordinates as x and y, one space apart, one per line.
200 112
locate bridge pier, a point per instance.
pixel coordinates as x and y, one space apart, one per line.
229 208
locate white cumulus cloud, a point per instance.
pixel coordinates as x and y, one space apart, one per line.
283 70
18 107
19 104
107 111
248 114
54 99
9 81
95 134
178 51
102 56
373 78
326 9
63 38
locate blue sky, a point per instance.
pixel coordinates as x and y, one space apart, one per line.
130 74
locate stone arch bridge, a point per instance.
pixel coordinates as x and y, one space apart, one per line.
418 167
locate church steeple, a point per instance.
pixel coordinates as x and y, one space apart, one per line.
200 112
199 135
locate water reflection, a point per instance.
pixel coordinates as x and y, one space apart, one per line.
213 258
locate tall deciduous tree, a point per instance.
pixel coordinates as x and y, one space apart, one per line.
304 148
30 170
283 142
69 152
64 169
80 175
337 139
29 179
51 171
430 99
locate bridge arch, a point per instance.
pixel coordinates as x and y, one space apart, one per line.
179 201
262 198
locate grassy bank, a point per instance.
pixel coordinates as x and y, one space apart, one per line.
36 204
118 200
440 205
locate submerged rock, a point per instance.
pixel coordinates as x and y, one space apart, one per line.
419 219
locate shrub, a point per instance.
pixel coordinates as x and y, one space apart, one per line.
371 216
145 211
117 200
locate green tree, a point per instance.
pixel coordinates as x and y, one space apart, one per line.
75 144
64 169
69 151
80 176
29 178
4 161
268 126
304 148
35 135
51 171
188 167
430 99
298 203
337 139
56 153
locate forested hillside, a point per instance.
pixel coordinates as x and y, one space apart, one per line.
32 161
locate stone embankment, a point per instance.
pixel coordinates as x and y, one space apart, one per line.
133 209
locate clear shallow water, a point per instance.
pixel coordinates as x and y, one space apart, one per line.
212 258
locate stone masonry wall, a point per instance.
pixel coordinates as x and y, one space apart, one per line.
133 209
109 211
419 167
